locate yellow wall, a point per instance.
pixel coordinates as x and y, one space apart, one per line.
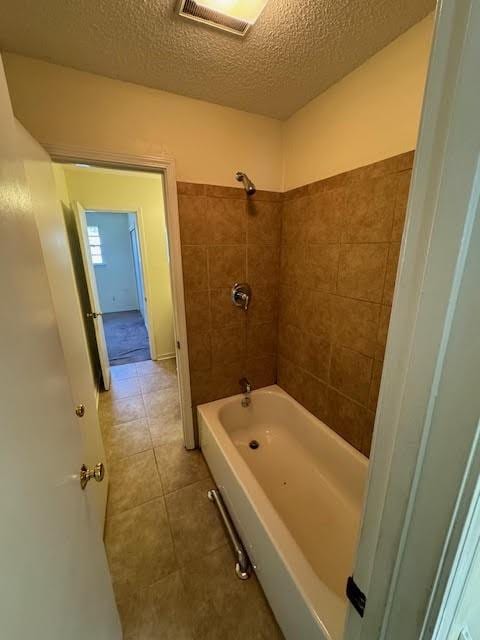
58 105
77 262
370 115
109 189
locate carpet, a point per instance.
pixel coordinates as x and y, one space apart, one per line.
126 336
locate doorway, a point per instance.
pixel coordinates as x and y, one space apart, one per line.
116 255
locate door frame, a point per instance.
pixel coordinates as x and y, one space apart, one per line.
133 231
146 281
165 165
401 470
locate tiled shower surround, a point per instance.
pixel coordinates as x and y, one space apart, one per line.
321 260
227 239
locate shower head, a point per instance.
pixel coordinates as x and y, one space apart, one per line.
247 183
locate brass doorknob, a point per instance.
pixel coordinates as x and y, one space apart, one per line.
80 410
86 474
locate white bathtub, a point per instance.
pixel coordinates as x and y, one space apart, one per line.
296 502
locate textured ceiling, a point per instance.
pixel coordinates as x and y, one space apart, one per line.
296 50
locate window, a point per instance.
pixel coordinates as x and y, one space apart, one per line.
95 244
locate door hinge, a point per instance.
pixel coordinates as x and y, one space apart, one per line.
356 596
178 344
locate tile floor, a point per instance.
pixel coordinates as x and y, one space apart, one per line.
171 565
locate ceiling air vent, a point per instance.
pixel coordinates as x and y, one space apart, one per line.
195 11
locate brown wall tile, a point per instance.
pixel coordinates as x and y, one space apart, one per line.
368 433
290 342
261 339
197 310
315 355
314 396
391 275
190 189
355 324
225 379
326 217
290 377
403 190
199 350
316 310
382 333
263 262
370 207
361 273
223 312
217 191
375 385
194 261
351 373
226 265
322 262
193 219
228 344
293 265
264 304
264 222
295 214
263 370
348 418
226 221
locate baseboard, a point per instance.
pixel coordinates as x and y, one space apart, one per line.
166 356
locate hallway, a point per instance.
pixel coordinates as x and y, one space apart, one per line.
126 336
170 561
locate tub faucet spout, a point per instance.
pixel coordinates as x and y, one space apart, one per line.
246 388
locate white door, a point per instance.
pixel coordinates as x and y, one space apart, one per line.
96 311
66 302
54 579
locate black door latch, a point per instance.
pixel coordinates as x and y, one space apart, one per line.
356 596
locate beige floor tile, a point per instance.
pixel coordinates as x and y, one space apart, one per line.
133 481
224 606
164 403
158 612
172 619
147 367
113 411
194 521
135 614
165 431
120 389
126 439
123 371
139 547
156 381
179 467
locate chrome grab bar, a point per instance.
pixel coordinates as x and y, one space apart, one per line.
243 567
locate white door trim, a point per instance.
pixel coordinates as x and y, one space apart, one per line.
91 208
164 164
437 217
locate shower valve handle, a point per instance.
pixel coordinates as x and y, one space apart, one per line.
241 295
